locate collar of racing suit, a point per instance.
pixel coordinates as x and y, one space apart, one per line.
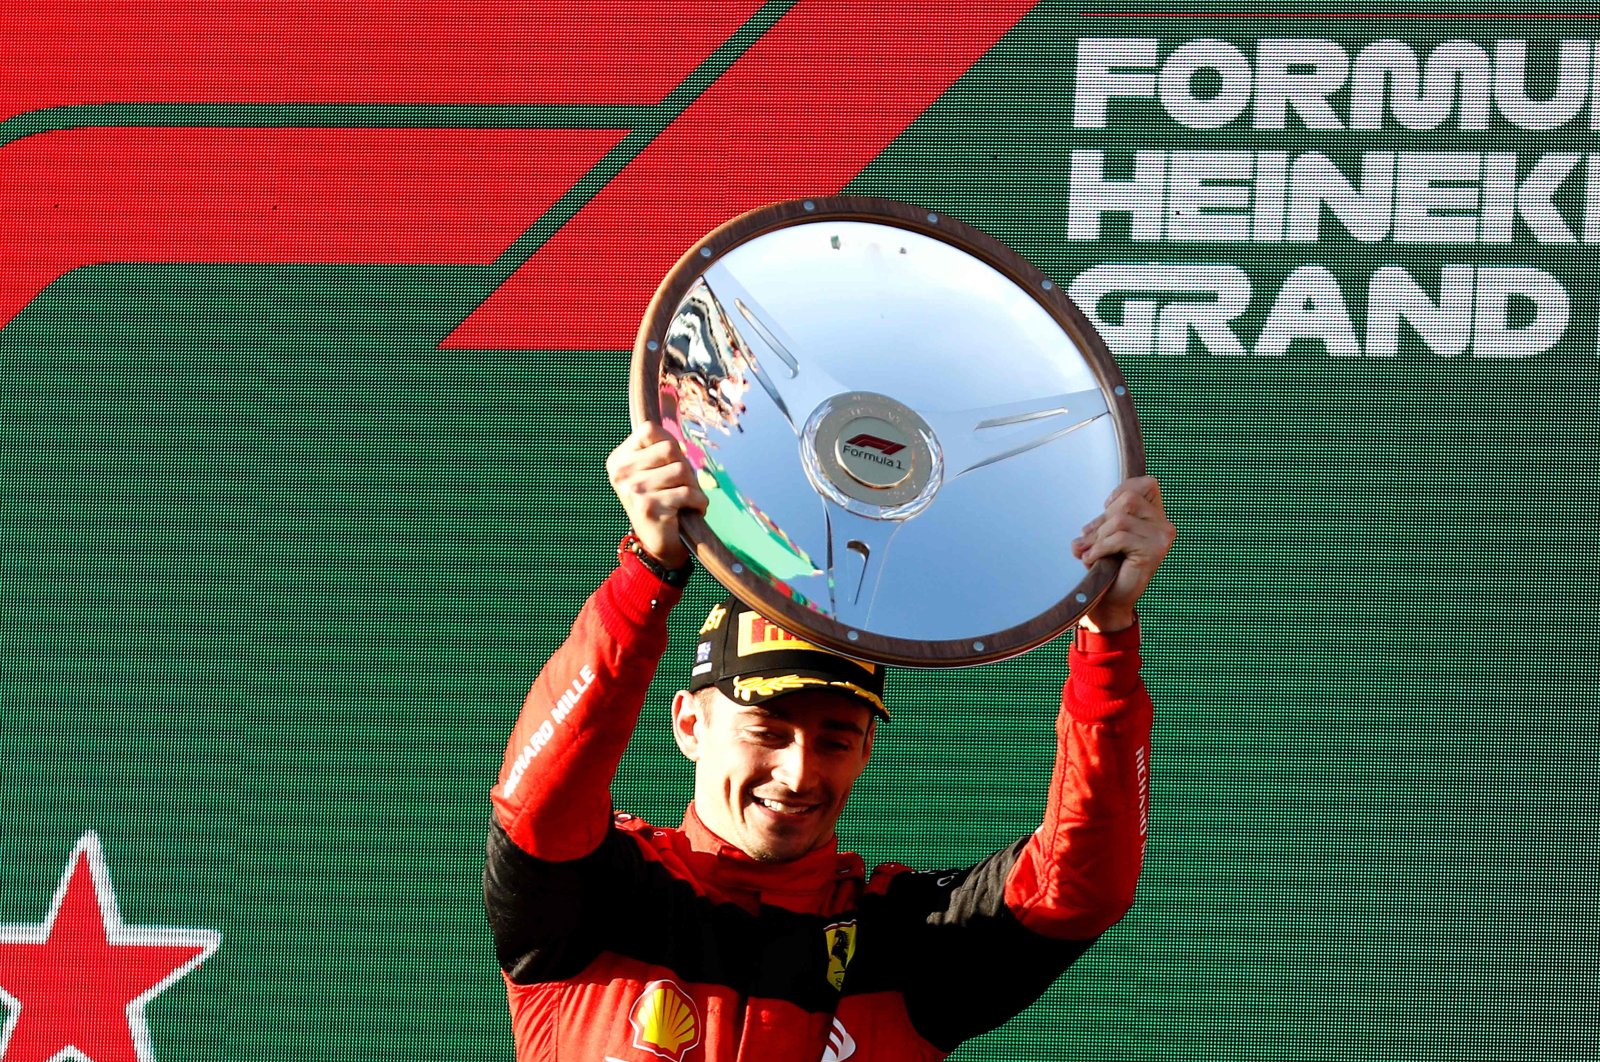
810 883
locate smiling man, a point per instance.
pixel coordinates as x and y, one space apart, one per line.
746 935
779 731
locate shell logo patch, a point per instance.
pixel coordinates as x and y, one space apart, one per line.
665 1021
841 939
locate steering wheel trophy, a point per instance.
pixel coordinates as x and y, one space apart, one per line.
900 424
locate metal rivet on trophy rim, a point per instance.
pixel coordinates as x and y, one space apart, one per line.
933 218
738 569
1080 598
1120 389
852 635
652 345
705 252
810 205
977 647
1047 285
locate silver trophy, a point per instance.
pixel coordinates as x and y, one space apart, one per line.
900 423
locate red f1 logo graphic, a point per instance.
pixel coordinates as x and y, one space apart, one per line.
872 442
806 106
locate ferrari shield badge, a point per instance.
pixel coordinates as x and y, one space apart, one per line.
841 940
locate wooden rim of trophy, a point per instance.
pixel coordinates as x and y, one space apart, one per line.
984 647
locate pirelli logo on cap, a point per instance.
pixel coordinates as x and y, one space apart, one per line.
757 634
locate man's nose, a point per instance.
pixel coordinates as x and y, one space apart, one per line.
796 767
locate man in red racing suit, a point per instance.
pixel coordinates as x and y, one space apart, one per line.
745 935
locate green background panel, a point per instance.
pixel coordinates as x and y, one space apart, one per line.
275 574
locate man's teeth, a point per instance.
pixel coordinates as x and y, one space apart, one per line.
783 808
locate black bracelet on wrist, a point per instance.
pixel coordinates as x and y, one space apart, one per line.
676 577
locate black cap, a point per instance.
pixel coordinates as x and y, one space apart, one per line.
751 659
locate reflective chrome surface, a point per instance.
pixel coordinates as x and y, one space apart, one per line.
892 432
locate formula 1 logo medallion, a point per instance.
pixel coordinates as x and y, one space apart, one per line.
665 1021
883 446
869 449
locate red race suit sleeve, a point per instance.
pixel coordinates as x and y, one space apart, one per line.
553 797
1075 877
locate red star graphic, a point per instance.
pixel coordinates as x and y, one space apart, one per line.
77 984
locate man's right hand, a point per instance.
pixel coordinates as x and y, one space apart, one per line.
655 482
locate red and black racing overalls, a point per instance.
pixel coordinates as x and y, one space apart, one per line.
621 941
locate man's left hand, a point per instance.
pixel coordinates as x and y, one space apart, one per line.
1134 525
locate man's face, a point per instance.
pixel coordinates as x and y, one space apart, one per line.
771 779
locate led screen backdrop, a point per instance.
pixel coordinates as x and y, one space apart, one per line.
315 332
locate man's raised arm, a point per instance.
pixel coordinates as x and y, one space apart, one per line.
1033 907
553 797
1075 877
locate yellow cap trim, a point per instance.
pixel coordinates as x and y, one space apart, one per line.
865 694
747 686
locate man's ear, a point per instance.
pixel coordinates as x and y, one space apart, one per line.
688 716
